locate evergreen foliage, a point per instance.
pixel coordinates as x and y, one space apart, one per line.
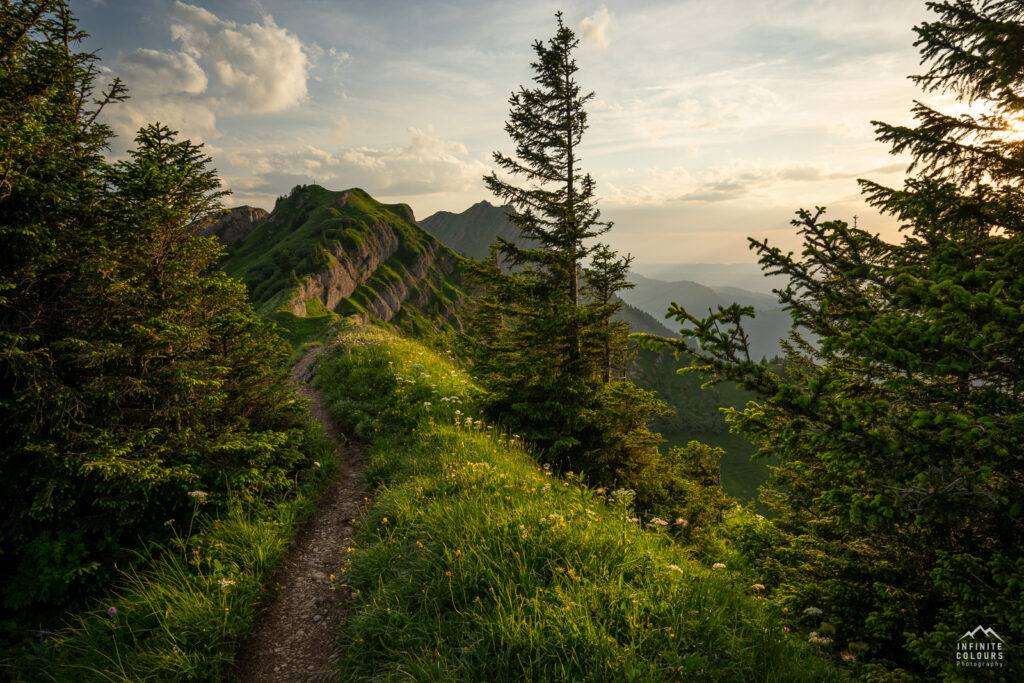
901 435
545 342
131 372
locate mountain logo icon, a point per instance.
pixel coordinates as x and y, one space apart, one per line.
987 632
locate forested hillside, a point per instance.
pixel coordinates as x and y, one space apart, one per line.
180 384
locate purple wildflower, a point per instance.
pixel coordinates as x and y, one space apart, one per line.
593 612
786 629
44 634
112 611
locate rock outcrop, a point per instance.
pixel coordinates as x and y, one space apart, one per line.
235 225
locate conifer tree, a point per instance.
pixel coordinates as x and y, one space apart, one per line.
131 370
550 367
900 495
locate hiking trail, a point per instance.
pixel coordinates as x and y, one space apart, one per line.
295 636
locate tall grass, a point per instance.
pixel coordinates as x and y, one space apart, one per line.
180 617
475 563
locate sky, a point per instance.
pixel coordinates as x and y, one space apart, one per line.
713 120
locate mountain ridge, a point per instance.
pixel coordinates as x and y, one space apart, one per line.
323 254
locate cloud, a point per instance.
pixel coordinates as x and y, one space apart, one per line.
426 165
594 29
151 72
262 67
734 181
164 87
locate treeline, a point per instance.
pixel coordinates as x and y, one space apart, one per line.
135 381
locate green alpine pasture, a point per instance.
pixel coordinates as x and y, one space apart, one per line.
475 562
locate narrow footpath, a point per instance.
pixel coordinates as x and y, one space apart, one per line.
295 638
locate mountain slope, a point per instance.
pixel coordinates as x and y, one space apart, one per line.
321 253
472 231
769 325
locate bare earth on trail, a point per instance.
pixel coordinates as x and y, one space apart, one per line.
295 638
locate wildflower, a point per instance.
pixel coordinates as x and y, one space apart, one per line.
199 496
426 404
112 611
657 521
718 565
812 612
675 568
458 553
224 583
316 464
634 520
448 574
332 578
44 634
786 629
384 521
682 521
601 491
757 587
593 612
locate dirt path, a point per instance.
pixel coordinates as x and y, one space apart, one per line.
295 638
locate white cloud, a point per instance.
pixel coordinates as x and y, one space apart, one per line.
262 67
594 29
151 72
164 87
427 165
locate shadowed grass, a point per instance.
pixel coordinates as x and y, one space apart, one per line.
181 617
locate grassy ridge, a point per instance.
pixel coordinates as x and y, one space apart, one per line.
311 229
473 563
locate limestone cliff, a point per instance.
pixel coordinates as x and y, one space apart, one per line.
235 225
346 253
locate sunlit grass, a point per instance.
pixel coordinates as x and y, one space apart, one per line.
475 563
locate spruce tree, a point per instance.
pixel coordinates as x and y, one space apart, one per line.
550 366
131 370
900 431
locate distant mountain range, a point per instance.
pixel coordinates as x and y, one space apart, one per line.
471 232
745 276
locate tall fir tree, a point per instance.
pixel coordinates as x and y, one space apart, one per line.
900 431
131 371
550 365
